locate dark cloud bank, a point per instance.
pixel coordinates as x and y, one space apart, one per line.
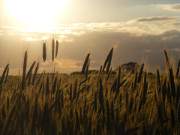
128 47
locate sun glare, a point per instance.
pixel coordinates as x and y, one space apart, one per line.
36 15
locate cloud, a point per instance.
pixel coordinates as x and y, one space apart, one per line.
177 24
63 64
145 48
154 25
156 18
171 7
141 39
129 47
144 25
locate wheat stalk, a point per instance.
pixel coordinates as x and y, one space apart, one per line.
24 70
44 52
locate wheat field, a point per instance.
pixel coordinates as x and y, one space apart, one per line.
105 102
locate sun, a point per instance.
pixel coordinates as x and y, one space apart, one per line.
36 15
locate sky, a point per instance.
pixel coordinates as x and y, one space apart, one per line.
78 11
138 30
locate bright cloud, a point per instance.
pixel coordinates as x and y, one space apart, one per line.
171 7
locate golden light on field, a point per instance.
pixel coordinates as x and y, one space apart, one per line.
36 15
